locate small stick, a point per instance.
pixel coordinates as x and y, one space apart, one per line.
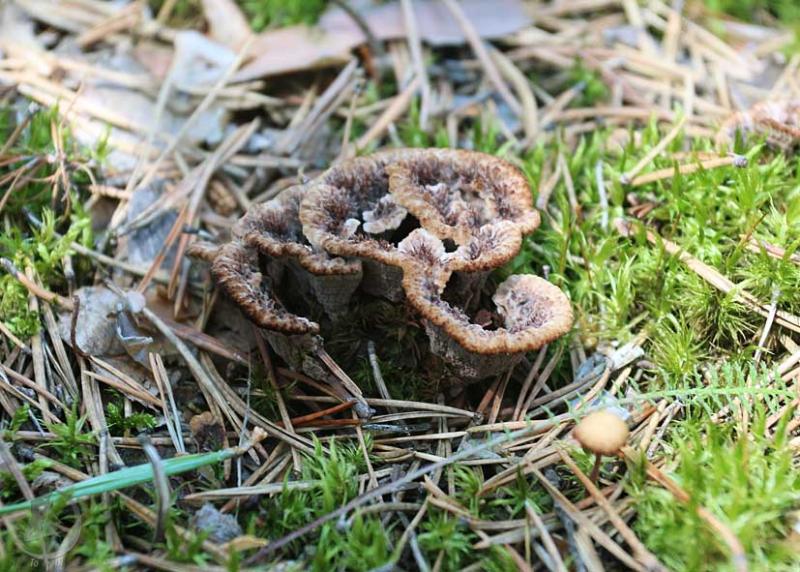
522 86
547 539
161 487
32 109
14 339
773 308
165 390
395 110
273 382
626 178
348 383
415 48
640 552
580 518
34 288
601 191
378 375
477 45
686 168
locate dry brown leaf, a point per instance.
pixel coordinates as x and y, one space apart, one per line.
226 23
297 48
491 19
207 432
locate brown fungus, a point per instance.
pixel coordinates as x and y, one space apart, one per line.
203 251
274 230
236 271
454 193
427 225
533 313
778 120
385 216
349 212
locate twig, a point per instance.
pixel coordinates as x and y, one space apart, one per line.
477 45
34 288
653 153
415 48
395 110
687 168
161 487
388 488
640 552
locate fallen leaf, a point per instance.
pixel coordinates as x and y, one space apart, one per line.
297 48
246 542
226 23
199 61
207 431
436 25
142 245
95 331
16 26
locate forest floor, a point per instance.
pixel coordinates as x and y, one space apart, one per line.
144 424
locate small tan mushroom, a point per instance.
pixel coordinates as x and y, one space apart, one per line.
602 433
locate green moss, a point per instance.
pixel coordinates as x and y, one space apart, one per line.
787 11
118 423
58 210
278 13
745 479
44 250
593 89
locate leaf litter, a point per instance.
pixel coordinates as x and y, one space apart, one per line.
144 393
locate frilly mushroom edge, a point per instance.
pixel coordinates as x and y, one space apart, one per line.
424 225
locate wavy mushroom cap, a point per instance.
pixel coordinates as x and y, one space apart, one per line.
455 192
424 254
386 215
236 271
274 229
534 312
481 203
490 247
345 196
601 432
329 217
203 250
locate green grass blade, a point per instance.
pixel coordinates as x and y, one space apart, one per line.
123 478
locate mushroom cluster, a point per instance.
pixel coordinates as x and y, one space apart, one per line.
779 120
420 226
